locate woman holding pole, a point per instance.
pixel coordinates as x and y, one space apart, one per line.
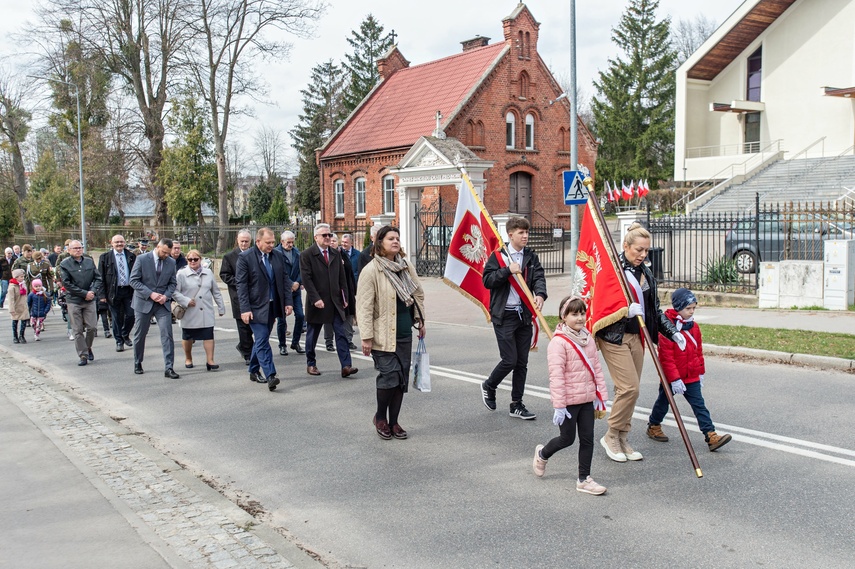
622 346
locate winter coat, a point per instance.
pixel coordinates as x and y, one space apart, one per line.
203 287
79 278
39 305
687 365
18 309
498 280
570 382
6 268
377 306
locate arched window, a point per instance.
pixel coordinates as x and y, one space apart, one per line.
510 129
389 194
520 44
529 131
469 136
527 46
564 137
524 83
479 134
338 192
359 188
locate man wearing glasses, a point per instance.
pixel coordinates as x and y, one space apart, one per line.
82 283
228 272
325 282
115 267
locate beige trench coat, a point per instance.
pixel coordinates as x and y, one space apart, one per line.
376 307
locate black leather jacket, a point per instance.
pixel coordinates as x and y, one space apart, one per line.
655 320
497 280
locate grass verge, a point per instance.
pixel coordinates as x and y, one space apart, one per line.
775 339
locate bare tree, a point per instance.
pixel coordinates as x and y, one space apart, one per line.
230 34
139 41
688 35
269 147
583 99
14 127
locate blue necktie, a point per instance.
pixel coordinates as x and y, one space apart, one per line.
267 266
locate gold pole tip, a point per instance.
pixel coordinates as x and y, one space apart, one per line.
698 473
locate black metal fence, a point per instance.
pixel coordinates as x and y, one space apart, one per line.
723 252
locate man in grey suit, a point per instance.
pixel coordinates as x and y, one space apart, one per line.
153 279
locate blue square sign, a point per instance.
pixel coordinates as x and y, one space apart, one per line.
575 192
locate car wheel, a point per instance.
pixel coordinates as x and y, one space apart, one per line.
746 261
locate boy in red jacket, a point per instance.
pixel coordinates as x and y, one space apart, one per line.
684 370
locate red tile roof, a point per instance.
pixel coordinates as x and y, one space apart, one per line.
403 107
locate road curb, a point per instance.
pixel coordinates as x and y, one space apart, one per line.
822 362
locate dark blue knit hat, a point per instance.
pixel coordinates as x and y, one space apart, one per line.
681 298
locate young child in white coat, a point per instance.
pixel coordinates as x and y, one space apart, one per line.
578 392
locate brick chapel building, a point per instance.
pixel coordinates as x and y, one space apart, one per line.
491 105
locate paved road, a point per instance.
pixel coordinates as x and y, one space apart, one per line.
460 493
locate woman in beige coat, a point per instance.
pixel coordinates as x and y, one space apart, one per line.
389 304
18 310
197 291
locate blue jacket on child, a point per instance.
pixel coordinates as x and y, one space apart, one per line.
39 305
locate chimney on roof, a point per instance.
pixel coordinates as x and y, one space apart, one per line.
390 63
477 41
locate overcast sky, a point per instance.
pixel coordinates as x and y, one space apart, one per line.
428 30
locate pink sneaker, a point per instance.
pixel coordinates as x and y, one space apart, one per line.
588 486
538 465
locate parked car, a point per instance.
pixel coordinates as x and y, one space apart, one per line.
799 237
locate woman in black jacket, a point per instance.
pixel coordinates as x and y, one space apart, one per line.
621 342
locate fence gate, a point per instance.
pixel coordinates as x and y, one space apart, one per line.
434 224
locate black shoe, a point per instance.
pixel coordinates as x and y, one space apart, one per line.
120 347
330 348
283 351
138 369
257 377
83 361
352 347
272 382
253 377
15 340
128 343
518 411
189 366
488 396
23 339
212 367
91 356
170 373
246 361
107 334
298 349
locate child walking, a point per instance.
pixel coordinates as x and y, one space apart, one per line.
39 303
18 311
684 370
578 392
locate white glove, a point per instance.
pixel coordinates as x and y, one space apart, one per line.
680 341
635 310
702 379
599 405
559 415
678 387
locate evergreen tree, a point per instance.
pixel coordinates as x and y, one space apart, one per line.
369 43
634 106
260 199
322 114
52 200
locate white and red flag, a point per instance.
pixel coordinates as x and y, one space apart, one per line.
609 194
632 187
643 189
625 191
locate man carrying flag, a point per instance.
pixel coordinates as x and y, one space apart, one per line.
511 312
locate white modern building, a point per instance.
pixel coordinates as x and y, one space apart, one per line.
775 80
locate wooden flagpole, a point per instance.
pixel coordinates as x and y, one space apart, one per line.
666 387
517 277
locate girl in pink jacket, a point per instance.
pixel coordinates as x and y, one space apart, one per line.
577 390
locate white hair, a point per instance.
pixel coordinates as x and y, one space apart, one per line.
9 250
287 235
320 227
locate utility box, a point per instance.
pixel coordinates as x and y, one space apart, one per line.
800 284
839 274
769 289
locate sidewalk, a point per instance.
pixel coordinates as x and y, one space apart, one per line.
100 496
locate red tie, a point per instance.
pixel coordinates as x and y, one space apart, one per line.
327 256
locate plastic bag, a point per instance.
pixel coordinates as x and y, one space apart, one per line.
421 368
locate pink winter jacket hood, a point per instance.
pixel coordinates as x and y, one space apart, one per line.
570 382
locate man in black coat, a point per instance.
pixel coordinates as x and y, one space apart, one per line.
228 276
325 282
264 293
115 267
350 311
365 256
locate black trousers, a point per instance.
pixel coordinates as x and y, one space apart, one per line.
582 419
245 340
514 338
122 313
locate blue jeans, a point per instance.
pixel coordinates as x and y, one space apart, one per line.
262 355
695 398
4 284
314 332
299 318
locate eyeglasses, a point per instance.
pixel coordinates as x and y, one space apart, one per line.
192 259
325 234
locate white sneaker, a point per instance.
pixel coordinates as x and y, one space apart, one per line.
71 335
588 486
38 339
628 451
614 452
538 465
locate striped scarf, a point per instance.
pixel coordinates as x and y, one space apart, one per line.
397 273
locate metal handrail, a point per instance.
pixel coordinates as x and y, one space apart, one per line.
808 147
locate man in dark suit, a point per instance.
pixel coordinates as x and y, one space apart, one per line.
351 252
365 255
115 267
325 282
264 292
153 279
228 274
292 268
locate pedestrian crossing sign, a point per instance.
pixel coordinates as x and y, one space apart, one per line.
574 191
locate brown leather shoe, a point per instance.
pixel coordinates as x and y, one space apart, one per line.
347 371
383 430
398 432
313 370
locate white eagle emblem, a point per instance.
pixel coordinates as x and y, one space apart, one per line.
475 251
